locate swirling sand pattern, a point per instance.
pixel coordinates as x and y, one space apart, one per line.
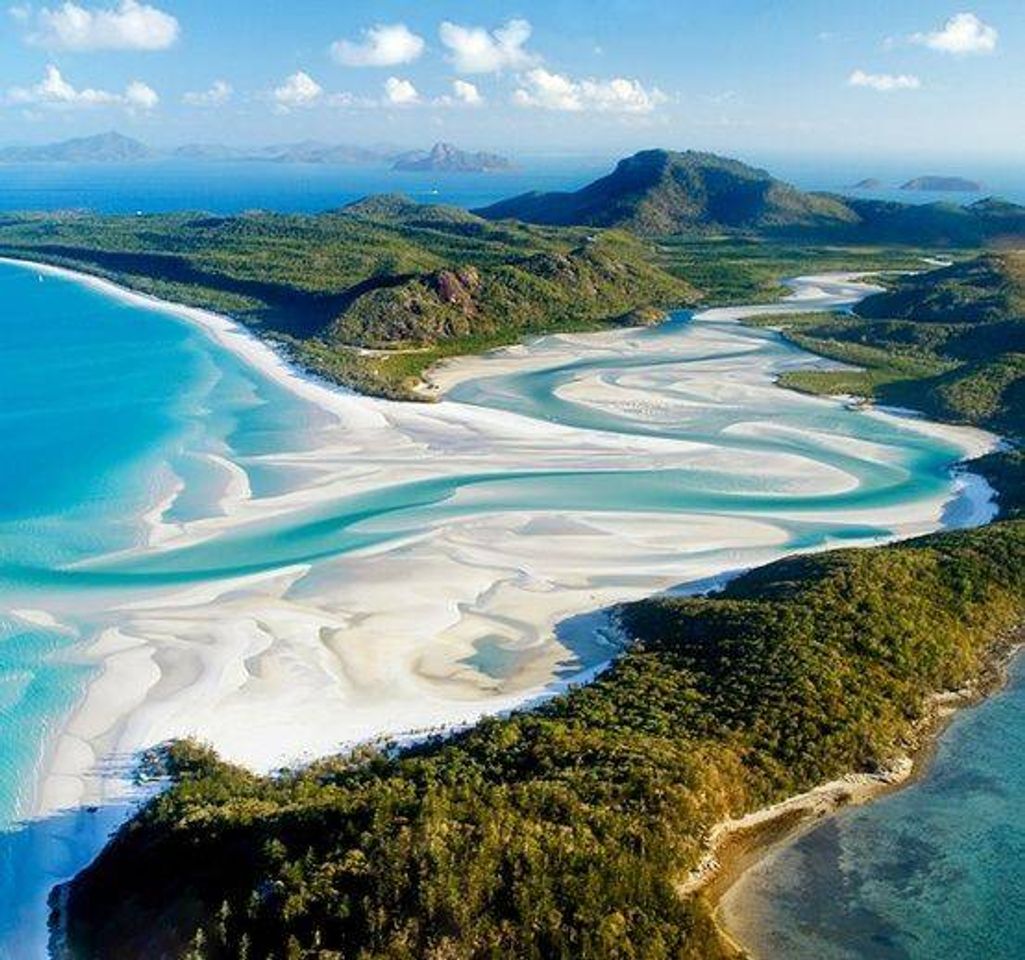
283 568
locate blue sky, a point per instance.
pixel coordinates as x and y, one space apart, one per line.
917 78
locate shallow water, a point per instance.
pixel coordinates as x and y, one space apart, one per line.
116 417
932 871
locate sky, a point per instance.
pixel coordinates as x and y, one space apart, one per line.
571 77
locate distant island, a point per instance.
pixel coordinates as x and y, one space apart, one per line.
943 184
113 147
446 158
869 183
103 148
305 151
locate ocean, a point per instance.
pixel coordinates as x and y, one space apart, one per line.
161 186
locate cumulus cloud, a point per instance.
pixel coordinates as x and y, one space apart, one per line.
477 50
466 92
400 93
54 91
884 82
962 33
554 91
297 90
128 26
141 95
384 45
219 92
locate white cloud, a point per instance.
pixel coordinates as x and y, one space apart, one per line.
141 95
219 92
962 33
21 12
384 45
553 91
54 91
466 92
400 93
298 90
884 82
475 50
128 26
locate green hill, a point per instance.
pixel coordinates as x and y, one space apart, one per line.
986 289
937 224
662 192
372 294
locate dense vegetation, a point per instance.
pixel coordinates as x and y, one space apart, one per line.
658 192
950 342
562 833
383 274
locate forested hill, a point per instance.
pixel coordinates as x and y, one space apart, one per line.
987 289
659 192
561 833
384 274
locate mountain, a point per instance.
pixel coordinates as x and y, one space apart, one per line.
103 148
661 192
869 183
943 184
657 192
446 158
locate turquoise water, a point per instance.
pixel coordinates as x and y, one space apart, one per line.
111 413
103 408
932 871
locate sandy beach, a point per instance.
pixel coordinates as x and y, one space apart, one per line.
740 848
479 611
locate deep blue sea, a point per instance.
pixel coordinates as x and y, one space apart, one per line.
230 187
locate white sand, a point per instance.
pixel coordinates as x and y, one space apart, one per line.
284 666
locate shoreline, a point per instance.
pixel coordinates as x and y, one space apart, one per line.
145 686
736 846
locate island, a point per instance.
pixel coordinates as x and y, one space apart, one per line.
109 147
933 184
870 183
446 158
